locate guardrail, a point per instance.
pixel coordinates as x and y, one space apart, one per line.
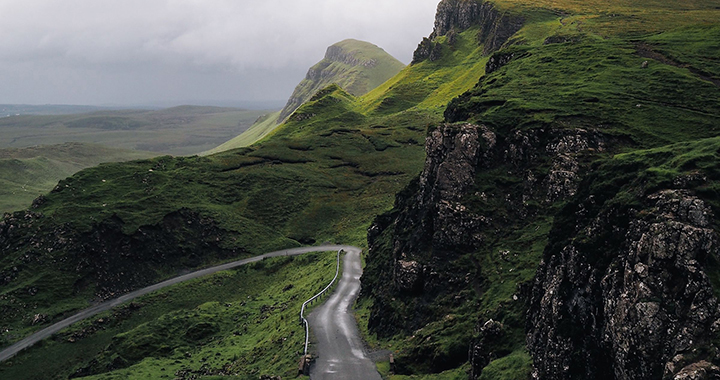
313 298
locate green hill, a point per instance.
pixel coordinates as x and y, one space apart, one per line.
356 66
550 126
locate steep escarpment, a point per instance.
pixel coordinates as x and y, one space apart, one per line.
356 66
456 16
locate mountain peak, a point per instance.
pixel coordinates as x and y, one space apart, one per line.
356 66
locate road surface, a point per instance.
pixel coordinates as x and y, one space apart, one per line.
87 313
340 351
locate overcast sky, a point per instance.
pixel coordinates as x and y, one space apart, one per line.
133 52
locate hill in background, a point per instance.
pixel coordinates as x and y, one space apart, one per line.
357 67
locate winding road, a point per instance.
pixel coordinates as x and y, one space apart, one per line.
107 305
341 353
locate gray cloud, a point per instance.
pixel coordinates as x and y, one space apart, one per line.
138 51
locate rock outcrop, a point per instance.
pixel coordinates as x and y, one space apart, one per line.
628 297
456 16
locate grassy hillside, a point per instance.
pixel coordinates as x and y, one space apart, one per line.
356 66
26 173
180 130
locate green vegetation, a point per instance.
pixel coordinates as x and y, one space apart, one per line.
26 173
241 323
180 130
564 70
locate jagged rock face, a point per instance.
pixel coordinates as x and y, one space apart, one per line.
641 308
453 156
456 16
459 15
434 221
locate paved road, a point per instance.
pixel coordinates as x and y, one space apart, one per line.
87 313
340 351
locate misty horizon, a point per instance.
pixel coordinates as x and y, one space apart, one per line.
220 53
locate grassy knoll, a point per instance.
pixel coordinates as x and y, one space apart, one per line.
180 130
240 324
26 173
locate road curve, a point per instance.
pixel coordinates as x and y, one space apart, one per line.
107 305
340 351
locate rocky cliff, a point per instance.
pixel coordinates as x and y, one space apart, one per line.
626 294
528 247
456 16
424 253
356 66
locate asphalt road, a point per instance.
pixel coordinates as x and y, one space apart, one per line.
107 305
340 351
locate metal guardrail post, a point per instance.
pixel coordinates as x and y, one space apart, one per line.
302 309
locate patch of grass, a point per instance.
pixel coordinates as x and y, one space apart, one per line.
516 366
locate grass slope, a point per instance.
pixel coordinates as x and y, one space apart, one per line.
26 173
180 130
261 128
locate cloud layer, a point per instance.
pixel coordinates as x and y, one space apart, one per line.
132 51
